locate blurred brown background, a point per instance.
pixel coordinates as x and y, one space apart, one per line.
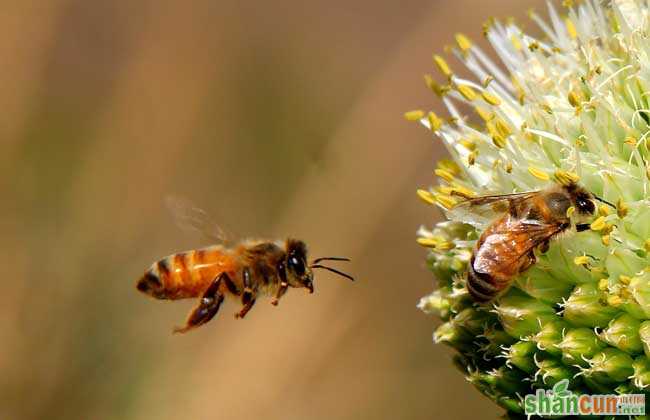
280 118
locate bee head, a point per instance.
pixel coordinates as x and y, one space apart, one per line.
583 200
299 273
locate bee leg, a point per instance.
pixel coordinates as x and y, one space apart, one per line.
283 285
248 295
208 305
531 259
543 248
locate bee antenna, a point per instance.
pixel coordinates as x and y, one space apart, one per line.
340 273
604 201
317 260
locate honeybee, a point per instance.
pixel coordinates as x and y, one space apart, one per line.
243 271
526 222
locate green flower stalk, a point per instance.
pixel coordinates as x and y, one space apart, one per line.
570 107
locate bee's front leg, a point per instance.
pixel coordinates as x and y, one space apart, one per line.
282 274
208 305
248 295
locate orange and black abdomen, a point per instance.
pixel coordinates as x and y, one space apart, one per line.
187 274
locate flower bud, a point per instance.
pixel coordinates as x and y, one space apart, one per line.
578 344
522 355
522 316
586 307
610 366
551 371
623 333
641 376
549 337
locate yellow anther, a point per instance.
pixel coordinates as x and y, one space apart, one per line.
463 42
603 284
428 242
449 165
502 127
566 178
467 92
465 192
538 173
630 141
570 211
445 201
571 28
434 121
471 158
515 42
498 140
426 196
603 210
484 114
442 65
533 46
599 224
625 279
468 144
508 167
574 98
491 98
444 174
581 260
614 300
445 246
646 245
438 89
605 240
621 209
414 115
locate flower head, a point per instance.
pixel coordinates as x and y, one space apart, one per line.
571 106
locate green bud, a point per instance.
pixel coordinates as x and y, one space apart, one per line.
623 333
579 343
454 335
522 316
505 380
639 288
549 337
551 371
473 320
641 376
623 261
521 355
497 339
610 366
510 404
541 285
587 307
636 222
644 335
436 303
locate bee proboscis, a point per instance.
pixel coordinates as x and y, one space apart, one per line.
244 271
521 223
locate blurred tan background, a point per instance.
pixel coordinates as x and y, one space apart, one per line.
280 118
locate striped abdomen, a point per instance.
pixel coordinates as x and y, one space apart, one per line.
186 274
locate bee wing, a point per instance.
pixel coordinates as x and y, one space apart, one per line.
481 210
519 238
194 219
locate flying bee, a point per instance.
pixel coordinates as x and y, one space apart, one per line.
525 222
243 271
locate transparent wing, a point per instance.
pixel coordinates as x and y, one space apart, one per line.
482 210
191 218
